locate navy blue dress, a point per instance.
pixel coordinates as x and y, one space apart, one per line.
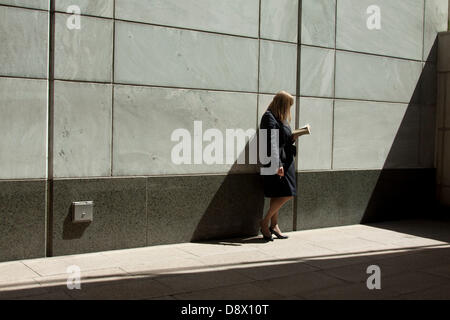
274 187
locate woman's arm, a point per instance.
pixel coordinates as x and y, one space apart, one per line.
269 124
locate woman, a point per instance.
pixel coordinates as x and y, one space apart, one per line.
282 186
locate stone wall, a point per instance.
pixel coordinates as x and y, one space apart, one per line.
87 114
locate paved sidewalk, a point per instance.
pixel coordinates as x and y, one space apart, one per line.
414 258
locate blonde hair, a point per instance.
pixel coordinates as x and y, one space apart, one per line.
281 106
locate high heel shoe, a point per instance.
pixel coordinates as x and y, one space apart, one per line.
267 238
279 236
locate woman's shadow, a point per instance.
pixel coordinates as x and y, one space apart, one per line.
237 207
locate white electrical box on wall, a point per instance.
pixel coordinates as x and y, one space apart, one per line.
83 212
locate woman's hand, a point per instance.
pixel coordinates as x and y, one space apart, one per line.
293 138
280 172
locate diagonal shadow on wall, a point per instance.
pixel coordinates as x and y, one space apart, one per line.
406 186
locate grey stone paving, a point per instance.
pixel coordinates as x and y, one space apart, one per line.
331 263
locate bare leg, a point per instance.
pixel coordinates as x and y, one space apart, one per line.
274 220
275 205
274 223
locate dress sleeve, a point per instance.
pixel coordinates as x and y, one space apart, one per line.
269 123
290 144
